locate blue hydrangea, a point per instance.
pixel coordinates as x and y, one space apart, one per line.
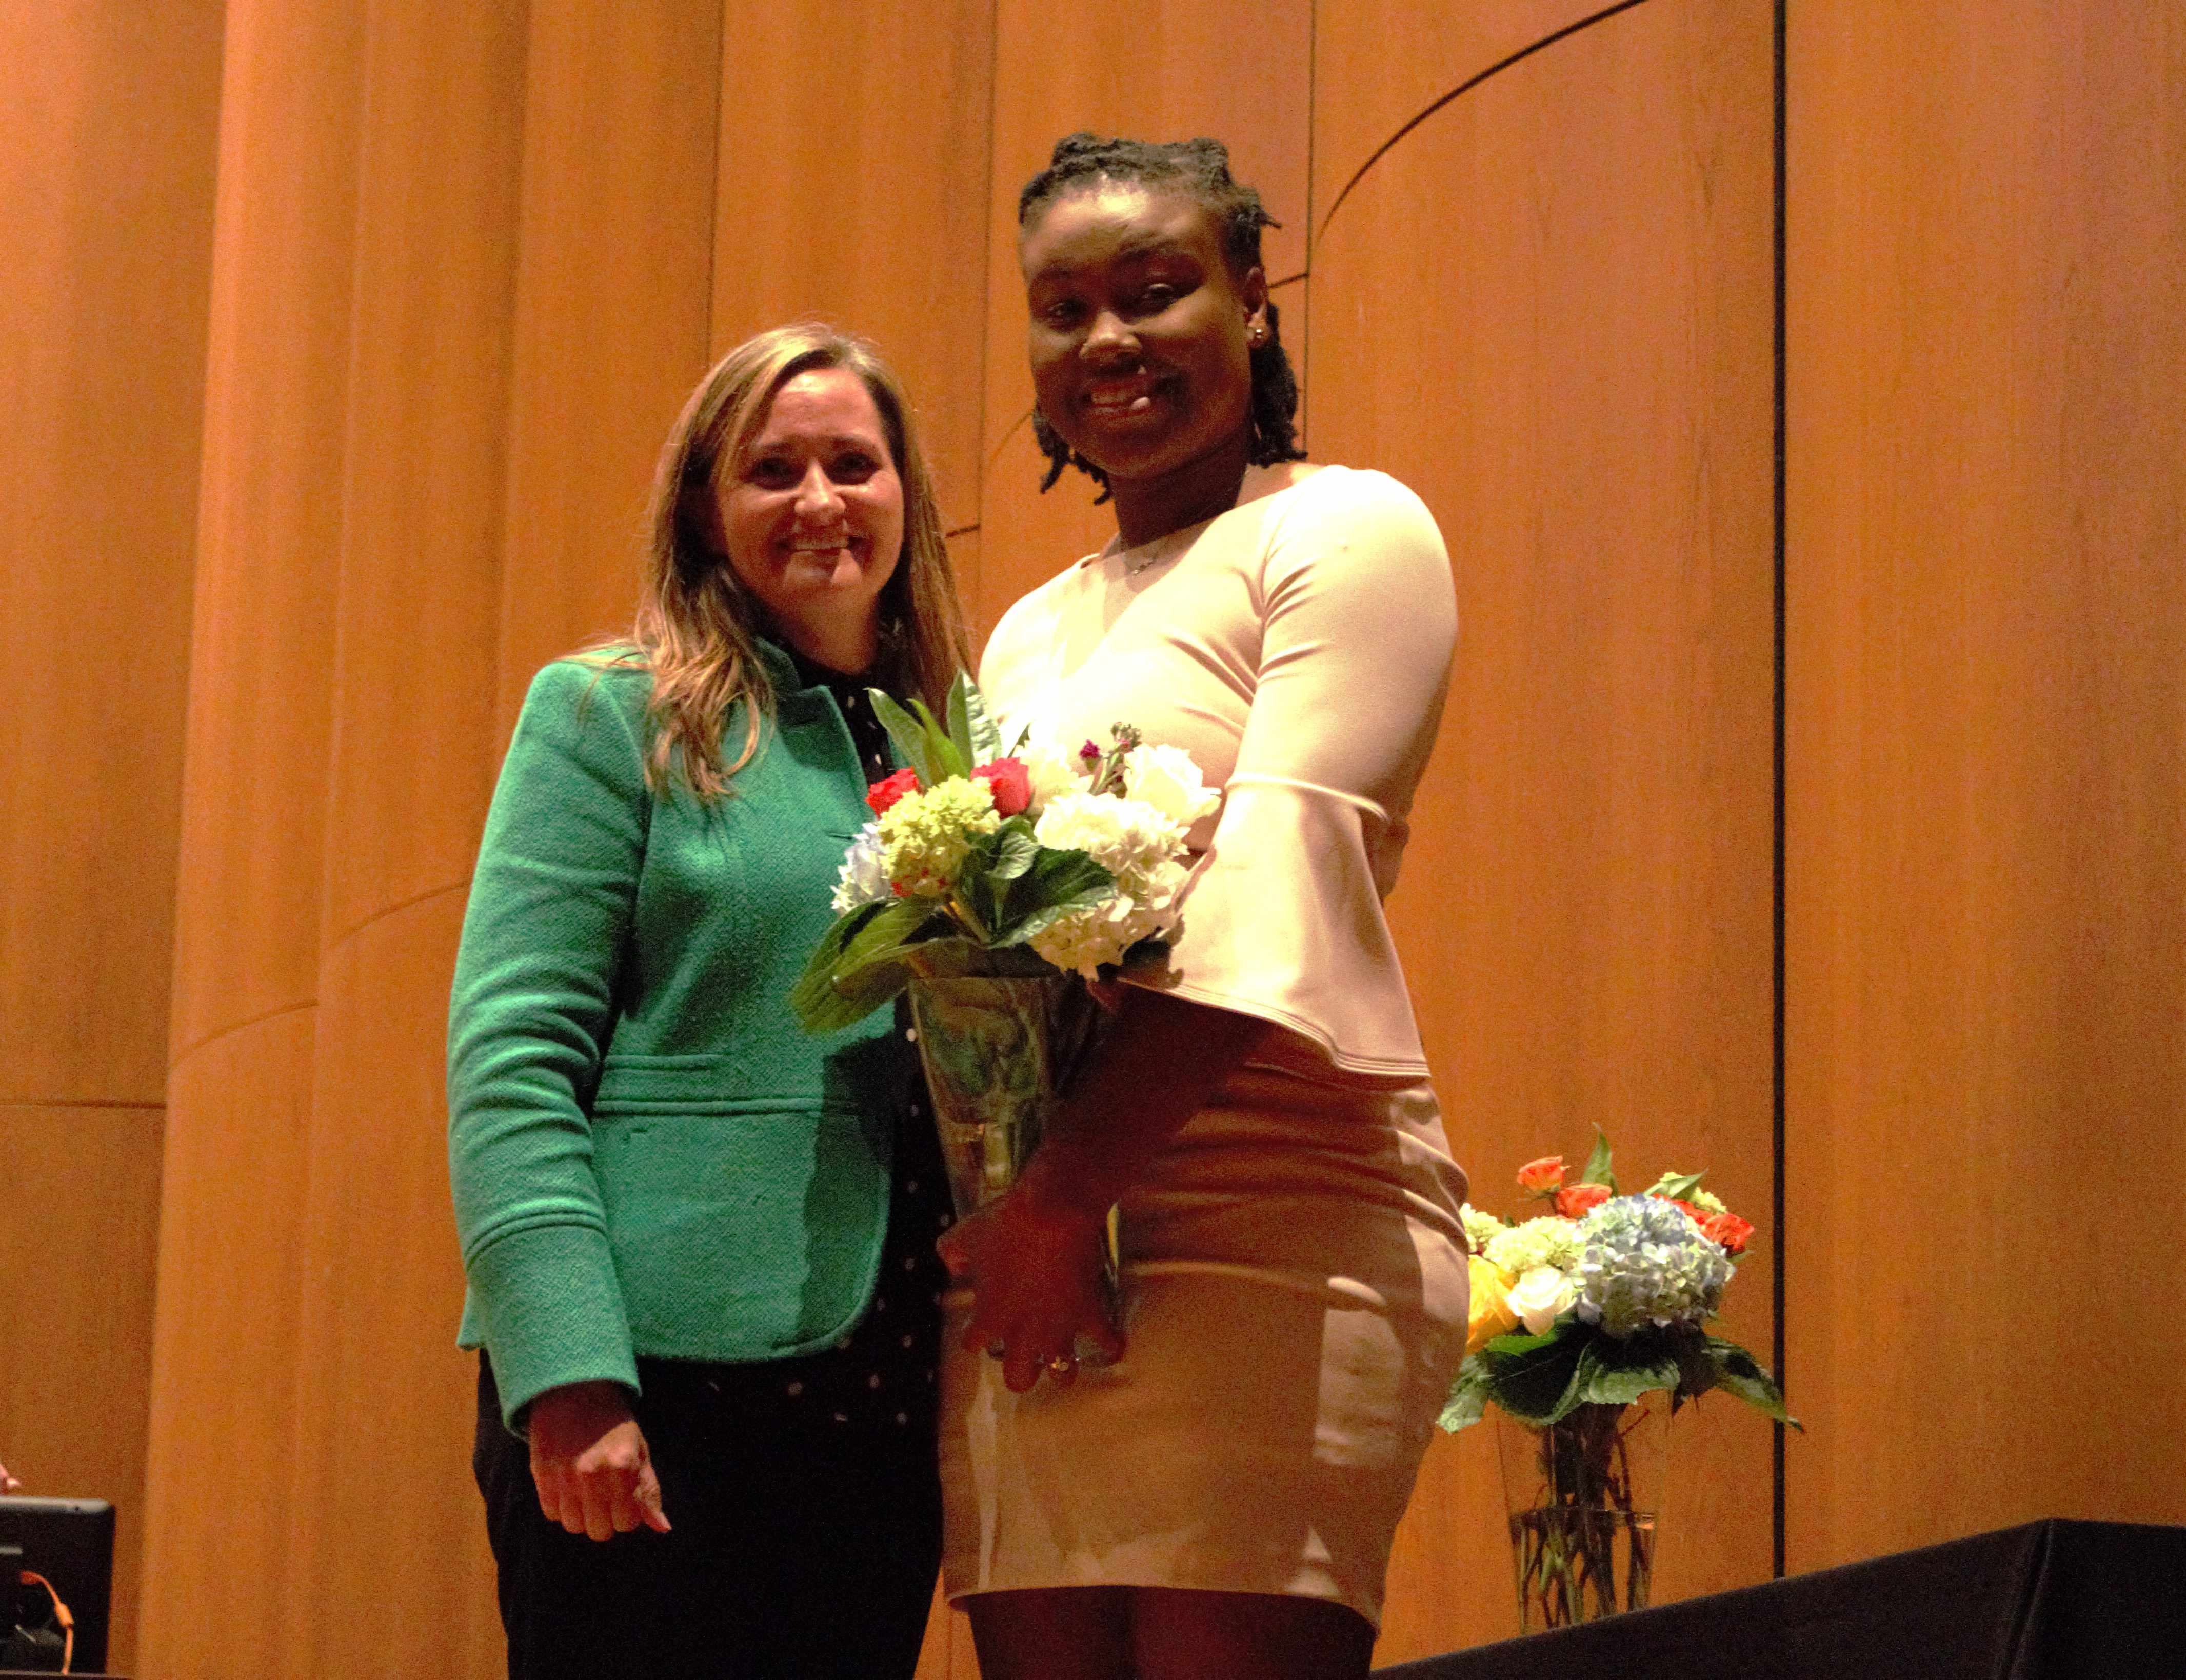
1645 1261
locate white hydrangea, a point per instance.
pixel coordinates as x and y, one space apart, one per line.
1166 778
1480 1228
1137 844
864 879
1545 1241
1052 773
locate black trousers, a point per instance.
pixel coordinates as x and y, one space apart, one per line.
800 1551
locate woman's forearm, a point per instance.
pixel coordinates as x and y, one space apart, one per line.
1157 1066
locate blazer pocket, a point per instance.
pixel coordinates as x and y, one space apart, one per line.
683 1084
758 1216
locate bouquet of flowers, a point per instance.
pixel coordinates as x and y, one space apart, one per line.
1603 1298
1027 863
1578 1313
991 886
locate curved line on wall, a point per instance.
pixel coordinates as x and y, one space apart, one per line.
1003 442
334 945
1462 87
235 1027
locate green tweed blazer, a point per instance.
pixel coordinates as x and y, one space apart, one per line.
648 1156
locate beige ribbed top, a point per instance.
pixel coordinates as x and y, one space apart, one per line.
1299 648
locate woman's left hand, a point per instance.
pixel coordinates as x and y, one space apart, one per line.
1035 1262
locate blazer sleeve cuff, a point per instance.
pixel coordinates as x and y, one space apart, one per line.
552 1313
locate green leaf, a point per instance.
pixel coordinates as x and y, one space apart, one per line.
1598 1170
925 745
1606 1379
1697 1369
960 722
907 733
1010 849
1676 1186
986 734
1053 884
811 995
1535 1378
948 761
1468 1397
858 965
970 729
1738 1372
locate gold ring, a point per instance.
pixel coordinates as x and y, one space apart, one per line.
1062 1364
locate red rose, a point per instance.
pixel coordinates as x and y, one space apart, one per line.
1007 781
1576 1201
1729 1229
1539 1178
882 794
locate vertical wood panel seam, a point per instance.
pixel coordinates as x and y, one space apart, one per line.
713 181
1779 1495
1305 290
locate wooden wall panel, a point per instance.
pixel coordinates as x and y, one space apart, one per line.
106 167
222 1441
1157 69
611 310
108 120
1986 704
385 1403
1548 309
853 187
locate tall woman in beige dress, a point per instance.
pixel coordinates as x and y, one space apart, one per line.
1220 1498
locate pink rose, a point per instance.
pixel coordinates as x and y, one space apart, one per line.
1009 781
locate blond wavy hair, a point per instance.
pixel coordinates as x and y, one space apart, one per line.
698 626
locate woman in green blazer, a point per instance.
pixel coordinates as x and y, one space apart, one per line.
699 1242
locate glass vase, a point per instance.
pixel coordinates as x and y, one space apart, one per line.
1583 1494
997 1051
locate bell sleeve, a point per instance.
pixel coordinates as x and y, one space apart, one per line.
1283 918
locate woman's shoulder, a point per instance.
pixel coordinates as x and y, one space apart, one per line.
592 700
617 669
1032 615
1332 488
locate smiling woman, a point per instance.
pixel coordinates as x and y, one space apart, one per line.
812 517
699 1241
1222 1498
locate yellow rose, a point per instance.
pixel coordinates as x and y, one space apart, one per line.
1490 1314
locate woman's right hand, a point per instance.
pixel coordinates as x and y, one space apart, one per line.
7 1483
589 1462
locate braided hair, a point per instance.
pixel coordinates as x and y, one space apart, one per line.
1199 169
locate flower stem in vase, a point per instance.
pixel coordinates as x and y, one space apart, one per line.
1582 1534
